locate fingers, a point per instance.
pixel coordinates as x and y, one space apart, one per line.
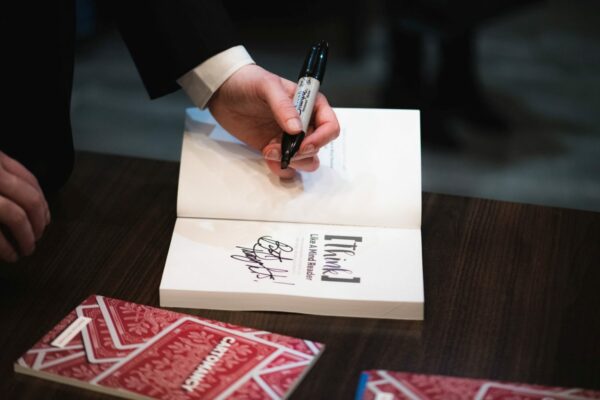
327 127
307 165
15 219
7 251
276 93
24 211
303 162
16 168
30 201
275 167
273 150
281 105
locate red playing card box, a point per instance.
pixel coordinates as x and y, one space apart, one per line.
136 351
391 385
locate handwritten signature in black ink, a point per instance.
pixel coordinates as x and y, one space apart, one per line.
266 249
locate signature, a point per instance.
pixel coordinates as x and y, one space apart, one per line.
266 249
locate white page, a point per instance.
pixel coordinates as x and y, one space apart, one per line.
331 270
370 176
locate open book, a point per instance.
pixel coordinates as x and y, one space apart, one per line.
344 240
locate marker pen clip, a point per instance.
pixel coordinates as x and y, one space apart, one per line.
309 80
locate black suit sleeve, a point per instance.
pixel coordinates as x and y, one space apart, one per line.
168 38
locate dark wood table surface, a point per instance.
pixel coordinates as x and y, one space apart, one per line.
512 291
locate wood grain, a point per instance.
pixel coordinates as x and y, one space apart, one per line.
512 290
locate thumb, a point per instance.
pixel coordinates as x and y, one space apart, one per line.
281 105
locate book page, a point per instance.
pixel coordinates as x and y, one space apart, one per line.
369 176
331 270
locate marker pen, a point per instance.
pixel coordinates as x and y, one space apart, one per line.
309 81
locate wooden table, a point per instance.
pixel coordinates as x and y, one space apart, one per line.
512 290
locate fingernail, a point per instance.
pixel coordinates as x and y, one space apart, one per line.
294 125
29 252
273 155
309 149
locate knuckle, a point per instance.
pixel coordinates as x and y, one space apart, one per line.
37 201
18 216
268 80
6 178
271 78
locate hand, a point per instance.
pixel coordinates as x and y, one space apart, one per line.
255 106
23 209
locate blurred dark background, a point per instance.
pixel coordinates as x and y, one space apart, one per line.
509 90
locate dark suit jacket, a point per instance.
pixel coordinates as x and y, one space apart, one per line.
166 38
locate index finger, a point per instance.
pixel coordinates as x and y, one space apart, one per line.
327 127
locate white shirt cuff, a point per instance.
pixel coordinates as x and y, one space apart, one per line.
204 80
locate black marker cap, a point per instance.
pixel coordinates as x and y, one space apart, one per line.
315 61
